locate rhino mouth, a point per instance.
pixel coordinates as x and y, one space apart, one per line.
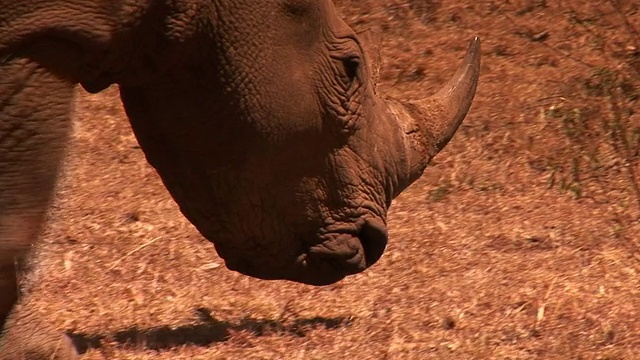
342 253
336 253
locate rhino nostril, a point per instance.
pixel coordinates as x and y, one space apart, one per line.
373 237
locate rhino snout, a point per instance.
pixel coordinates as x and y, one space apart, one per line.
374 238
344 254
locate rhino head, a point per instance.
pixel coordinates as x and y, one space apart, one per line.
268 132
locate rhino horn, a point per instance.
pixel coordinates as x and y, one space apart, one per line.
428 124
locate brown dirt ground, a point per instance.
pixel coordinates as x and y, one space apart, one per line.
520 242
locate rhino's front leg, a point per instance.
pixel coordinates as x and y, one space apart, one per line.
34 128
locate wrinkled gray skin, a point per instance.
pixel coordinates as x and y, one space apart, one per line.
261 117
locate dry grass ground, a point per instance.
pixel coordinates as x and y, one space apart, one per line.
520 242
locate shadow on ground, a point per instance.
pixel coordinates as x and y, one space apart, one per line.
204 334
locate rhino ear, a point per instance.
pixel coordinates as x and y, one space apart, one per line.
370 40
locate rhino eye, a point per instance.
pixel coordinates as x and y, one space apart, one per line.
351 66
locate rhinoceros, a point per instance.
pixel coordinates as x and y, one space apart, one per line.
261 117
